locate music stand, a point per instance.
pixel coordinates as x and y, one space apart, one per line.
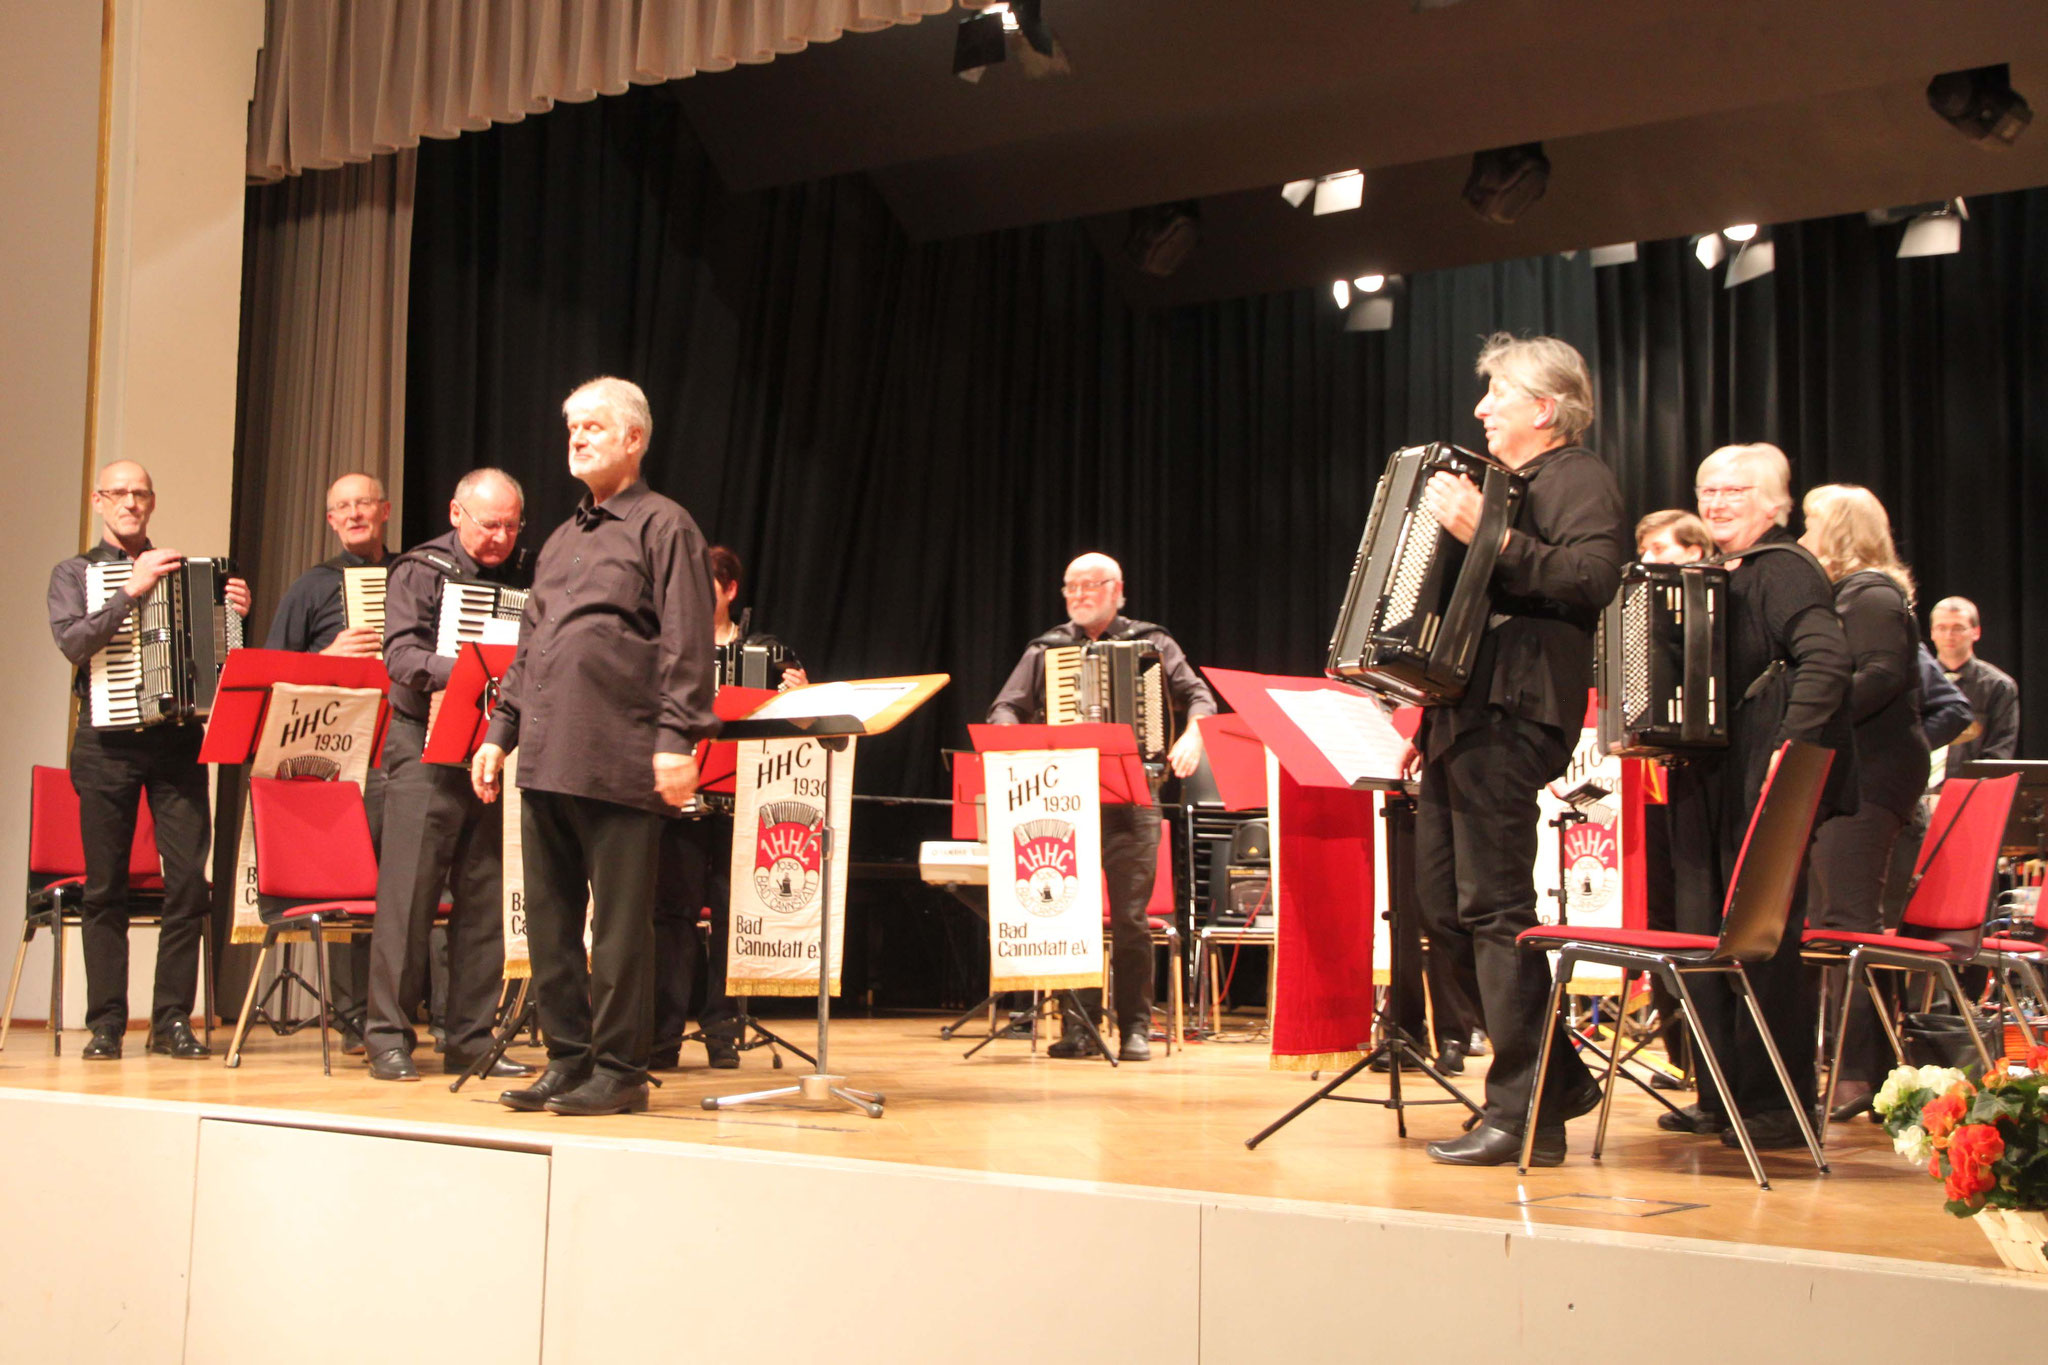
1347 748
830 713
234 727
1122 781
2026 828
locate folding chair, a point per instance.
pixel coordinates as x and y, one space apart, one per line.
316 873
2005 955
1767 873
56 891
1951 891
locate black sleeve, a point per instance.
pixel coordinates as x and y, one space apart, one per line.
1800 611
1880 643
1190 694
1023 695
292 627
412 626
1944 710
1576 552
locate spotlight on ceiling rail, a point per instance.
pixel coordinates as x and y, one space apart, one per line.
1505 181
1014 31
1936 232
1162 237
1981 104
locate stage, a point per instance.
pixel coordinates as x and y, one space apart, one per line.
1091 1211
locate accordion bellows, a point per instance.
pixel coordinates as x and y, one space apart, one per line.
1662 676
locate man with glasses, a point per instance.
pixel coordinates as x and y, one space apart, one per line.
110 770
313 620
1094 593
436 832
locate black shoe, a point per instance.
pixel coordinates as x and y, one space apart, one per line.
1856 1103
104 1047
504 1069
177 1041
1074 1044
1137 1044
1664 1080
723 1053
1491 1145
1381 1065
666 1060
603 1093
1584 1099
393 1064
1450 1058
1771 1131
1692 1119
556 1080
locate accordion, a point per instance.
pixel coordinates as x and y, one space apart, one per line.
741 664
1120 681
474 610
1662 674
164 665
362 597
1417 605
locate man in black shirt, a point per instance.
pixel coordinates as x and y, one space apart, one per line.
110 769
1483 760
1094 592
436 832
606 701
312 619
1994 696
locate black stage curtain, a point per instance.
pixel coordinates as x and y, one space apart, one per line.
907 443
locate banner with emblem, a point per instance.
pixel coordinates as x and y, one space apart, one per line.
1044 869
518 960
308 732
779 867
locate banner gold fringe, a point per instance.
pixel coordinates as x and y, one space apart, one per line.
1315 1061
518 971
246 933
787 988
1072 981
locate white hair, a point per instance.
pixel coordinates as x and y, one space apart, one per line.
1764 465
477 478
623 397
1547 370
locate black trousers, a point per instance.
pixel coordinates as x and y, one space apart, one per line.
695 873
1448 1013
1130 864
580 850
110 771
1706 837
1846 890
1475 861
436 834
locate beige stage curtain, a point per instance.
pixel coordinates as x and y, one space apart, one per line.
324 285
340 81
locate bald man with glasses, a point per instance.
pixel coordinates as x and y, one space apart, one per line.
1093 589
436 832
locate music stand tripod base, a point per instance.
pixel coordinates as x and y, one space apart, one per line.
818 1088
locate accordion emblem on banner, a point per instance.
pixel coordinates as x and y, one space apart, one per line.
1044 870
322 733
779 865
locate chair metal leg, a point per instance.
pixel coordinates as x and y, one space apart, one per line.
234 1057
1551 1018
1884 1017
57 982
1756 1015
206 1013
320 975
1827 1106
1968 1010
1613 1069
28 934
1704 1048
1174 994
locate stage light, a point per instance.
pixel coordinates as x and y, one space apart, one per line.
1937 232
1741 232
1163 236
1339 193
1707 249
1369 284
1014 31
1340 290
1506 181
1981 104
1374 313
1621 253
1753 262
1295 192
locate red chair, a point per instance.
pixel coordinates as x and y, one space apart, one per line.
1165 930
316 874
1767 873
56 890
1951 893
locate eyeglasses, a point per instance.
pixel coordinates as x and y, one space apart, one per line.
1074 587
496 528
126 494
357 505
1723 492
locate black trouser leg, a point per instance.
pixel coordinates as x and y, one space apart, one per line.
1130 864
107 772
184 833
1476 822
1851 864
678 899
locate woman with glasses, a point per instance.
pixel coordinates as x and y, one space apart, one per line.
1788 671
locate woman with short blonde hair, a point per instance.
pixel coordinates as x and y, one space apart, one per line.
1848 532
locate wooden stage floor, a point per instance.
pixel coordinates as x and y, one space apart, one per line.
1178 1122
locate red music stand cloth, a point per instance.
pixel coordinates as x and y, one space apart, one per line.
718 760
243 696
1322 1011
466 703
1122 772
1236 759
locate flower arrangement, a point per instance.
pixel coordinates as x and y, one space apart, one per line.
1987 1142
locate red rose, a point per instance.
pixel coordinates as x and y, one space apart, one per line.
1971 1150
2037 1057
1941 1115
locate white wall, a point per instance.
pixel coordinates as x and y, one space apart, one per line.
183 73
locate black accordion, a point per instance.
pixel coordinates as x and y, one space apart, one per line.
1418 602
1118 681
163 667
747 663
1662 676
